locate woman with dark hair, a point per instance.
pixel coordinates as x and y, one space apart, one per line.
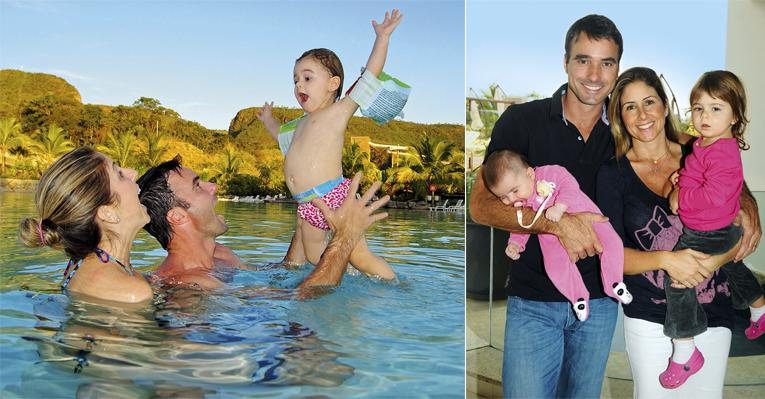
631 191
88 206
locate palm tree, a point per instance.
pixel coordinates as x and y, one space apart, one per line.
428 162
51 144
120 148
356 160
265 172
9 132
227 167
155 147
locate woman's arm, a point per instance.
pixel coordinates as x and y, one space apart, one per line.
715 262
687 267
749 217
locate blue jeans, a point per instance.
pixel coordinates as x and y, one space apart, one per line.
549 353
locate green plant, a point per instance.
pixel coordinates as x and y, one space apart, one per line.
9 138
428 162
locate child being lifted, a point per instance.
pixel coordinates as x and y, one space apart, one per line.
313 143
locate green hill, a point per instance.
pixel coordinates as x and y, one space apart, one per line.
37 99
19 87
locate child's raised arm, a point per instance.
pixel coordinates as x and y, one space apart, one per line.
266 116
383 31
377 58
336 117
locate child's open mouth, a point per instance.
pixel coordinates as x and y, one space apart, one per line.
302 97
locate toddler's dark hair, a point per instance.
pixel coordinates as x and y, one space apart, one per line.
329 60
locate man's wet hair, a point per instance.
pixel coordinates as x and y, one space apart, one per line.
158 199
596 27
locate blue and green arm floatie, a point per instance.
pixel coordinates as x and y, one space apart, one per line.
286 131
380 98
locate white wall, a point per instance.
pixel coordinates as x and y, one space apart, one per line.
745 56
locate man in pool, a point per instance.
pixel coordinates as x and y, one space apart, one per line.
183 219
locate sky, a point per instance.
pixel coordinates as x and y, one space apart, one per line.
519 44
207 60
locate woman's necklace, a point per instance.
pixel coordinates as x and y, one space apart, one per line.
104 257
655 161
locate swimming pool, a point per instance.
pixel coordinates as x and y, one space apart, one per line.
366 339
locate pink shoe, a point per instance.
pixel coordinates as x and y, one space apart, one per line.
756 328
676 374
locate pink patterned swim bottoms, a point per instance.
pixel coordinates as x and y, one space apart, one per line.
310 213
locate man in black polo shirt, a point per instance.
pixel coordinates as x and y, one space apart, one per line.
548 352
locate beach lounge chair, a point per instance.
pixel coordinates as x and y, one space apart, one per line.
458 206
439 207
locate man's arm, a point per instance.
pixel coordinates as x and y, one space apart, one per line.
574 231
349 222
749 217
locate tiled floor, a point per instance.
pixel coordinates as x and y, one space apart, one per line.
745 377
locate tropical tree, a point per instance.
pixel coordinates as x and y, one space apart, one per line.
156 147
147 102
271 174
92 124
266 172
9 132
120 147
355 160
427 162
50 144
227 167
44 111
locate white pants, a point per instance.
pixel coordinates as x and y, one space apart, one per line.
648 350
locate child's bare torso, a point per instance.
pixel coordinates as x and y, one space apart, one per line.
315 155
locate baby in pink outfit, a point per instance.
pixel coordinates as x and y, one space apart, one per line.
553 190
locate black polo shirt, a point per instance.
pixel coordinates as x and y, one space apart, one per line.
539 131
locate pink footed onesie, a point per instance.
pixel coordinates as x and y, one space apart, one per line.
561 271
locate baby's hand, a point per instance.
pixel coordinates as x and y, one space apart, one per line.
555 212
674 177
673 198
388 24
513 251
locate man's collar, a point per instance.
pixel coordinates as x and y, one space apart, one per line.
557 111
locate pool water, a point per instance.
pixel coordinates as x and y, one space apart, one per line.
365 339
